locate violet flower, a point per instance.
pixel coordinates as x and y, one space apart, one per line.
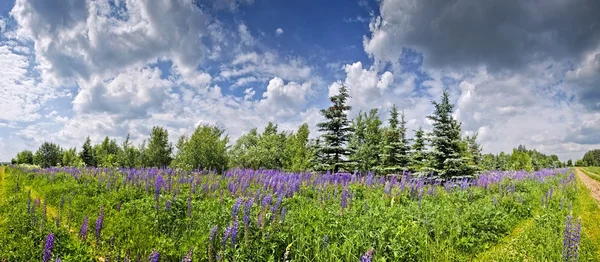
99 222
48 248
84 228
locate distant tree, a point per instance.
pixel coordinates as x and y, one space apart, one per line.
70 158
241 152
592 158
297 155
520 160
159 151
569 162
365 141
336 131
446 141
87 153
206 149
47 155
24 157
128 155
106 153
419 152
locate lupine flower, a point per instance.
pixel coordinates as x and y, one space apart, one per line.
495 201
168 205
84 228
344 202
236 208
159 183
368 256
283 211
154 256
99 222
247 209
234 232
226 235
48 248
57 260
213 232
571 239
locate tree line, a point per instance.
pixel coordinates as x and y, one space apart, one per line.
590 158
362 144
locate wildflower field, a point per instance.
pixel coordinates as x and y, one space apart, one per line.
72 214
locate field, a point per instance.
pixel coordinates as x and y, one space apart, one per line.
263 215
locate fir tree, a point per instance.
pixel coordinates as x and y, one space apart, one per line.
446 141
87 153
419 151
336 131
395 150
365 141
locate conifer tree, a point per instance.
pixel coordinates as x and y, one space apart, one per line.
446 141
419 151
395 150
87 153
365 142
336 131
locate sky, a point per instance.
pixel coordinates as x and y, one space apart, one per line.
519 71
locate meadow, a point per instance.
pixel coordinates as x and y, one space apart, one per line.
76 214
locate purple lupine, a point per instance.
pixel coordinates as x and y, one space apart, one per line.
168 205
368 256
247 209
571 239
495 201
48 248
344 202
84 228
226 235
236 208
283 211
213 232
57 260
158 185
99 222
154 256
234 232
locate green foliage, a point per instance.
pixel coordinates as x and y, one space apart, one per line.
591 158
106 153
48 155
129 155
365 142
476 224
87 153
419 160
447 145
70 158
159 152
297 151
206 149
524 159
395 151
24 157
336 132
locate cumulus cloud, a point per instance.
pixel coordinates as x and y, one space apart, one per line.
279 31
284 99
71 39
470 32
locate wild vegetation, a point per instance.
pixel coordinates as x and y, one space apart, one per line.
362 144
114 214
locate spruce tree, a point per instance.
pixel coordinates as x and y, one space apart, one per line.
336 131
87 153
366 140
446 141
419 151
395 150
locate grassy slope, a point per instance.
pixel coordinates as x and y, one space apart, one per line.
525 240
592 172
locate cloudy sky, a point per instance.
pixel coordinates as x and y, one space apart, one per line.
520 72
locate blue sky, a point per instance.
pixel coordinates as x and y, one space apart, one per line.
75 68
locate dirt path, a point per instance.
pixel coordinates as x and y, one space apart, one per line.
591 184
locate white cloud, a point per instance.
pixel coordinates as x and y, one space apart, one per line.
284 99
279 31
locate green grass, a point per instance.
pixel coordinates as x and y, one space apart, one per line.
456 226
592 172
